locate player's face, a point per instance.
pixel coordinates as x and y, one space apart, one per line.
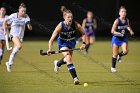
22 11
89 14
68 18
122 13
2 11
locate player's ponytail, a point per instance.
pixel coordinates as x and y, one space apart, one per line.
64 10
22 5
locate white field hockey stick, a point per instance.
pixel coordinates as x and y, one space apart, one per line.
57 52
7 43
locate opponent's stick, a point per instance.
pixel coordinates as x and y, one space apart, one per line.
57 52
7 43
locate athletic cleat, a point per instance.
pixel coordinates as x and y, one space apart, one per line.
56 68
85 52
113 70
8 67
76 81
119 59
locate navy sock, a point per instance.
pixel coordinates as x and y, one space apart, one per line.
61 62
87 47
114 62
122 54
72 70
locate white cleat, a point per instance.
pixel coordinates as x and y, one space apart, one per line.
56 68
85 52
113 70
119 59
76 81
8 67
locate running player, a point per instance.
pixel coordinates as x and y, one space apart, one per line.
119 28
66 40
2 37
19 20
89 25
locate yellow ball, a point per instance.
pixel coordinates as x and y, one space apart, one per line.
85 84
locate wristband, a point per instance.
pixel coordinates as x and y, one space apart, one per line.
84 42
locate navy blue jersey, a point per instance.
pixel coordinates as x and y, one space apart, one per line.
68 33
122 27
89 25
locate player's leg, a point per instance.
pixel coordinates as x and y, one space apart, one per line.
17 47
114 58
0 51
71 68
2 46
123 52
87 45
58 64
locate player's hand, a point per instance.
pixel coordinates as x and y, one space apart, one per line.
132 33
119 34
48 52
83 46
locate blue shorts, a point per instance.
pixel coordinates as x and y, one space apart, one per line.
89 33
62 43
119 40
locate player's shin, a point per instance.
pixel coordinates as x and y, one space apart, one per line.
12 55
72 70
114 62
61 62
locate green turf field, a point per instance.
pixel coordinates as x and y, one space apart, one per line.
32 73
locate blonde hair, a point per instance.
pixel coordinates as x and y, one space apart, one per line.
122 7
22 5
65 10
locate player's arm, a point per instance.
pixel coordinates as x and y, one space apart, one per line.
95 24
79 28
29 25
84 23
5 27
56 31
114 27
129 28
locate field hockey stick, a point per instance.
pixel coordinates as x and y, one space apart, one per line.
7 43
57 52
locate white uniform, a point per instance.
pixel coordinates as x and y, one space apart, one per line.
18 25
2 37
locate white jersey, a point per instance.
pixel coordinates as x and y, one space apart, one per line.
18 25
2 37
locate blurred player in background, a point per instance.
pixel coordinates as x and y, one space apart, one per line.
2 36
119 39
89 25
19 21
66 40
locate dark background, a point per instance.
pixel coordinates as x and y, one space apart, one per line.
46 14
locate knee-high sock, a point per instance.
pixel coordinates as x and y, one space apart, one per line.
122 54
114 62
72 70
12 55
61 62
1 54
87 47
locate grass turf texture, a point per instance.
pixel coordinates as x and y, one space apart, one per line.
32 73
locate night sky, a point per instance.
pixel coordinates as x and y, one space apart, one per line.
46 13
